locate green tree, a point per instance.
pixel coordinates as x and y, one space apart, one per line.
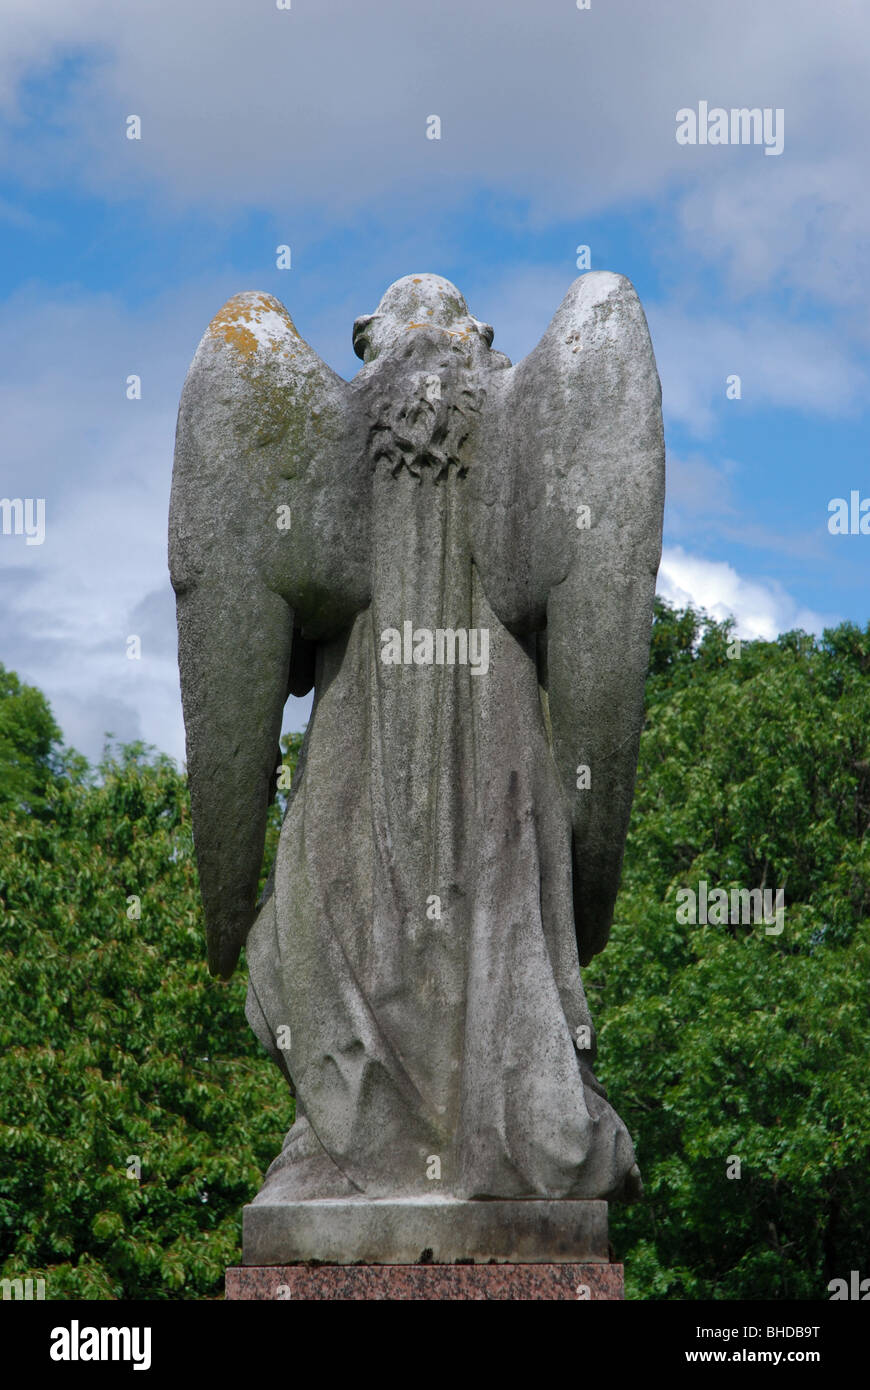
732 1041
117 1050
720 1045
28 739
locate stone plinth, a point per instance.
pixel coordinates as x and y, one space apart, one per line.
425 1231
577 1282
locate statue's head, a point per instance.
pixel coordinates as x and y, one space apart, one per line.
425 305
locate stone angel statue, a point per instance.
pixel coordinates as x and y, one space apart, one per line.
458 556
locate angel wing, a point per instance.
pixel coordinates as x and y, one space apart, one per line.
261 447
582 426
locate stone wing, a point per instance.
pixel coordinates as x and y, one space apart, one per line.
259 484
585 406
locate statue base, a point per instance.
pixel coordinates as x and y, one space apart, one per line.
425 1231
437 1283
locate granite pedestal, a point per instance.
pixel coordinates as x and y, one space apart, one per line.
425 1248
433 1283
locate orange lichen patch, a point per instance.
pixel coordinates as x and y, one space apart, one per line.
417 280
236 336
240 323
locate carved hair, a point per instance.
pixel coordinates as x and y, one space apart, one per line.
425 431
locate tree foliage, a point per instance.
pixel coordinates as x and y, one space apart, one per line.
724 1042
718 1044
117 1046
28 735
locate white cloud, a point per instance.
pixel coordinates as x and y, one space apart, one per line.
761 607
103 464
316 117
323 107
804 367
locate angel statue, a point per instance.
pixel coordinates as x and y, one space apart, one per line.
458 556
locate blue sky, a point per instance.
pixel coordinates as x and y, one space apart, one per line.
307 127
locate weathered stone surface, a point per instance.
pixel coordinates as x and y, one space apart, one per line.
423 1230
451 851
577 1282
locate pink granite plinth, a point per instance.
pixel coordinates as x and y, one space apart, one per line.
427 1282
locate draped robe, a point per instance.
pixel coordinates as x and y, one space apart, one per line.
424 1029
414 965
